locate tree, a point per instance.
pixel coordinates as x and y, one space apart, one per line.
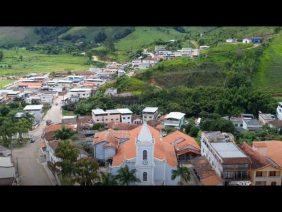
100 37
109 44
86 172
1 55
68 155
126 176
107 179
182 172
64 133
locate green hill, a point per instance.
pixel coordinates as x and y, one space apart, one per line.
269 75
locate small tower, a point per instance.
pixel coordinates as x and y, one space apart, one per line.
145 156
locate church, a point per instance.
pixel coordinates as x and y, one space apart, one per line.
143 149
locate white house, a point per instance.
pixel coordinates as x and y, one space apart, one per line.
251 125
121 72
125 115
81 93
231 40
265 118
174 119
247 40
140 149
279 111
36 111
47 97
150 113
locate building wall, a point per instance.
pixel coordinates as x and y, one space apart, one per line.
109 152
126 118
265 177
149 116
99 151
106 118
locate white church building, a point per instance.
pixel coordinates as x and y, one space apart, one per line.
142 149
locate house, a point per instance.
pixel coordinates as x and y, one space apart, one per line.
141 149
81 93
123 115
228 161
150 113
279 111
111 91
251 125
98 82
174 119
69 120
186 147
265 118
75 79
266 162
159 48
204 173
256 40
136 119
47 97
36 111
277 124
231 40
121 72
247 40
7 171
236 121
34 99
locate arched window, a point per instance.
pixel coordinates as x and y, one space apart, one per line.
144 176
144 154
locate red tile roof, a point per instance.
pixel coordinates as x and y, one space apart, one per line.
272 149
50 130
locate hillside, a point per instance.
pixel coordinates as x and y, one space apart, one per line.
269 75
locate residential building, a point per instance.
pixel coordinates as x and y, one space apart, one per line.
111 91
7 171
256 40
75 79
231 40
4 152
186 147
228 161
150 113
279 111
174 119
123 115
80 93
277 124
251 125
266 162
47 97
265 118
36 111
141 149
204 173
247 40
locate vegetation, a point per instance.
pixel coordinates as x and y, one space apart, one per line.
20 61
182 172
64 133
126 177
12 128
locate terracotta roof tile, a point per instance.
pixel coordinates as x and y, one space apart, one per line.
273 150
50 130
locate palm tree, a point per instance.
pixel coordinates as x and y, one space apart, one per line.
126 176
86 172
182 172
107 179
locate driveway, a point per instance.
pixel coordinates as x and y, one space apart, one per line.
30 170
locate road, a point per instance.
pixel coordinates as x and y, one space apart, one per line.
31 170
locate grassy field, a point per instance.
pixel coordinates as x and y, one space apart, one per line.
21 61
4 83
269 75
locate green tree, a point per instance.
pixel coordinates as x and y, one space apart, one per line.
107 179
64 133
126 176
68 155
86 172
182 172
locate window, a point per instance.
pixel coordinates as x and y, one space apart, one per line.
259 174
145 117
123 117
145 176
272 173
273 183
144 154
112 119
150 117
260 183
128 117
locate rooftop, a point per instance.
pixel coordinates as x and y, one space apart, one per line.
80 89
6 162
267 116
124 110
175 115
33 107
252 122
228 150
150 109
98 111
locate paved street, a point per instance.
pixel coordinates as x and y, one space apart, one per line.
31 171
